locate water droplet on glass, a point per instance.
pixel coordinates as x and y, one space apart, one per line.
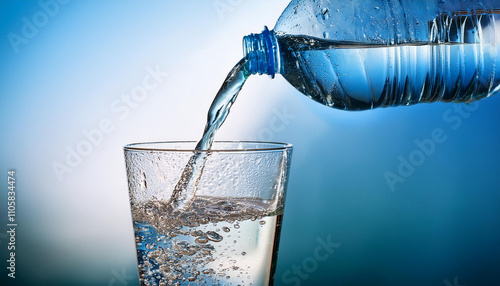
236 225
226 229
324 14
326 35
243 253
262 222
143 179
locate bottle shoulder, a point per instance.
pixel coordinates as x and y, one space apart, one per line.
371 22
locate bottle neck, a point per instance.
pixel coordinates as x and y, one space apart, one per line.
262 53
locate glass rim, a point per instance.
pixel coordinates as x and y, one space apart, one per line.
153 146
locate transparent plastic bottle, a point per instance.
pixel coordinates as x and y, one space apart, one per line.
358 55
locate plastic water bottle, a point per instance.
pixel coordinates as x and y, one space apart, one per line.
358 55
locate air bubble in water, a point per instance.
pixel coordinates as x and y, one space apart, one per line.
191 278
185 245
213 236
204 220
201 240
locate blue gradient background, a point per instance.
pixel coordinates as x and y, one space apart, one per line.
441 225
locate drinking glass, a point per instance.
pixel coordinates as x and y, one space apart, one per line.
226 230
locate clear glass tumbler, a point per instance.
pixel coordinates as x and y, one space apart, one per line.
227 231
